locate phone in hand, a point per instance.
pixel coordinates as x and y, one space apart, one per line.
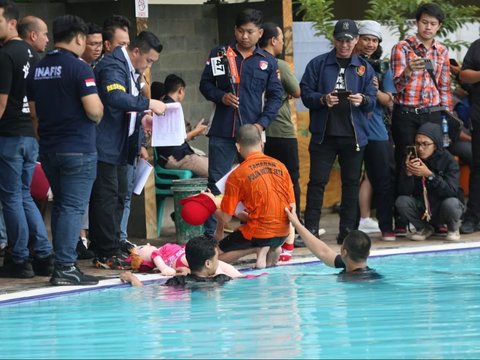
342 95
453 62
428 63
412 152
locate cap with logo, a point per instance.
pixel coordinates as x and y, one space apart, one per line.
345 29
370 27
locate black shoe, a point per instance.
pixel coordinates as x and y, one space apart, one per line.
298 242
71 275
82 251
126 246
43 266
111 263
20 271
469 226
340 237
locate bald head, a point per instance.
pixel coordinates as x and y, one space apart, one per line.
248 139
34 31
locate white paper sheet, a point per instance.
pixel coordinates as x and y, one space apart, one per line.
142 172
221 187
169 129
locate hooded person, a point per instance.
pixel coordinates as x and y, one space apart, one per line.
429 193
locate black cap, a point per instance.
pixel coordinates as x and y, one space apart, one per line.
345 29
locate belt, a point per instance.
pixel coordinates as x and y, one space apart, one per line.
422 110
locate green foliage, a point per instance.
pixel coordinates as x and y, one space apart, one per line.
394 14
320 12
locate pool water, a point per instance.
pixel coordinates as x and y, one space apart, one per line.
426 306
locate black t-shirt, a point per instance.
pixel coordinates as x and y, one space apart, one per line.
16 62
339 117
197 281
365 274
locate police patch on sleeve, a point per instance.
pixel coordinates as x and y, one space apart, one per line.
116 86
263 64
90 82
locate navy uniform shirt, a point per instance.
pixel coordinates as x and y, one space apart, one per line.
60 80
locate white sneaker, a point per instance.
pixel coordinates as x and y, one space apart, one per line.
453 235
368 225
423 234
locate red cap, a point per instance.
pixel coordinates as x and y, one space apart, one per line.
197 208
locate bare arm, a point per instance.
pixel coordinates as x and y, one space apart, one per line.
316 246
200 129
469 76
93 107
3 103
128 277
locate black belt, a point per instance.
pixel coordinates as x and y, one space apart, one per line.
422 110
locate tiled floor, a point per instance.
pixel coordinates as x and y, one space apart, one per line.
329 221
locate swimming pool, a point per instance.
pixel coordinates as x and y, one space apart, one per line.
426 306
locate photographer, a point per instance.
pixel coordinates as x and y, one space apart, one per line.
378 155
429 186
420 98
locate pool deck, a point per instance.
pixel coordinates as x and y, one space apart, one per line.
13 288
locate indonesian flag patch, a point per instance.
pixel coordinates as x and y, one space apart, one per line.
263 64
90 82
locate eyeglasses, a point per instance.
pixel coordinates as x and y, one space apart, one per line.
423 144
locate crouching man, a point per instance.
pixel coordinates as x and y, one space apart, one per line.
429 194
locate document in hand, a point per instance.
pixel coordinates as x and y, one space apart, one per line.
220 184
169 129
142 172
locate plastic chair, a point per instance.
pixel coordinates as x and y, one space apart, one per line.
163 186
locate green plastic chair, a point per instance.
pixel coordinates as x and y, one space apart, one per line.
163 186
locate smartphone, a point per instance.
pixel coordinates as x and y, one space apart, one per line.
428 63
453 62
412 152
342 95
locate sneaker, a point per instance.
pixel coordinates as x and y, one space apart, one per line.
286 255
469 226
126 246
388 236
299 243
368 225
43 266
423 234
400 231
82 250
111 263
19 271
453 235
440 230
71 275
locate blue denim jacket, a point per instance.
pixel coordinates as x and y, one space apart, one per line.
260 92
319 79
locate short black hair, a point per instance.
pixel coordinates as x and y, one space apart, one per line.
157 90
270 30
10 10
112 23
358 245
145 41
26 25
198 250
94 28
173 83
430 9
66 27
249 16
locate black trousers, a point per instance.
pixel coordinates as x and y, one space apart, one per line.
106 208
473 205
286 151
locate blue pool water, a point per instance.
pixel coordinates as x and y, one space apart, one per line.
426 306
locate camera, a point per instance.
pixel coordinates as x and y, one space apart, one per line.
379 65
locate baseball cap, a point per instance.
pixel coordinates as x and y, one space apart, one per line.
197 208
370 27
345 29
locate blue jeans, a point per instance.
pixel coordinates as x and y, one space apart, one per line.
18 156
3 230
128 200
71 176
322 157
221 154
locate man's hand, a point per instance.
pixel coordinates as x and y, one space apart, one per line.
356 99
200 128
230 100
417 167
143 153
157 106
416 64
147 122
